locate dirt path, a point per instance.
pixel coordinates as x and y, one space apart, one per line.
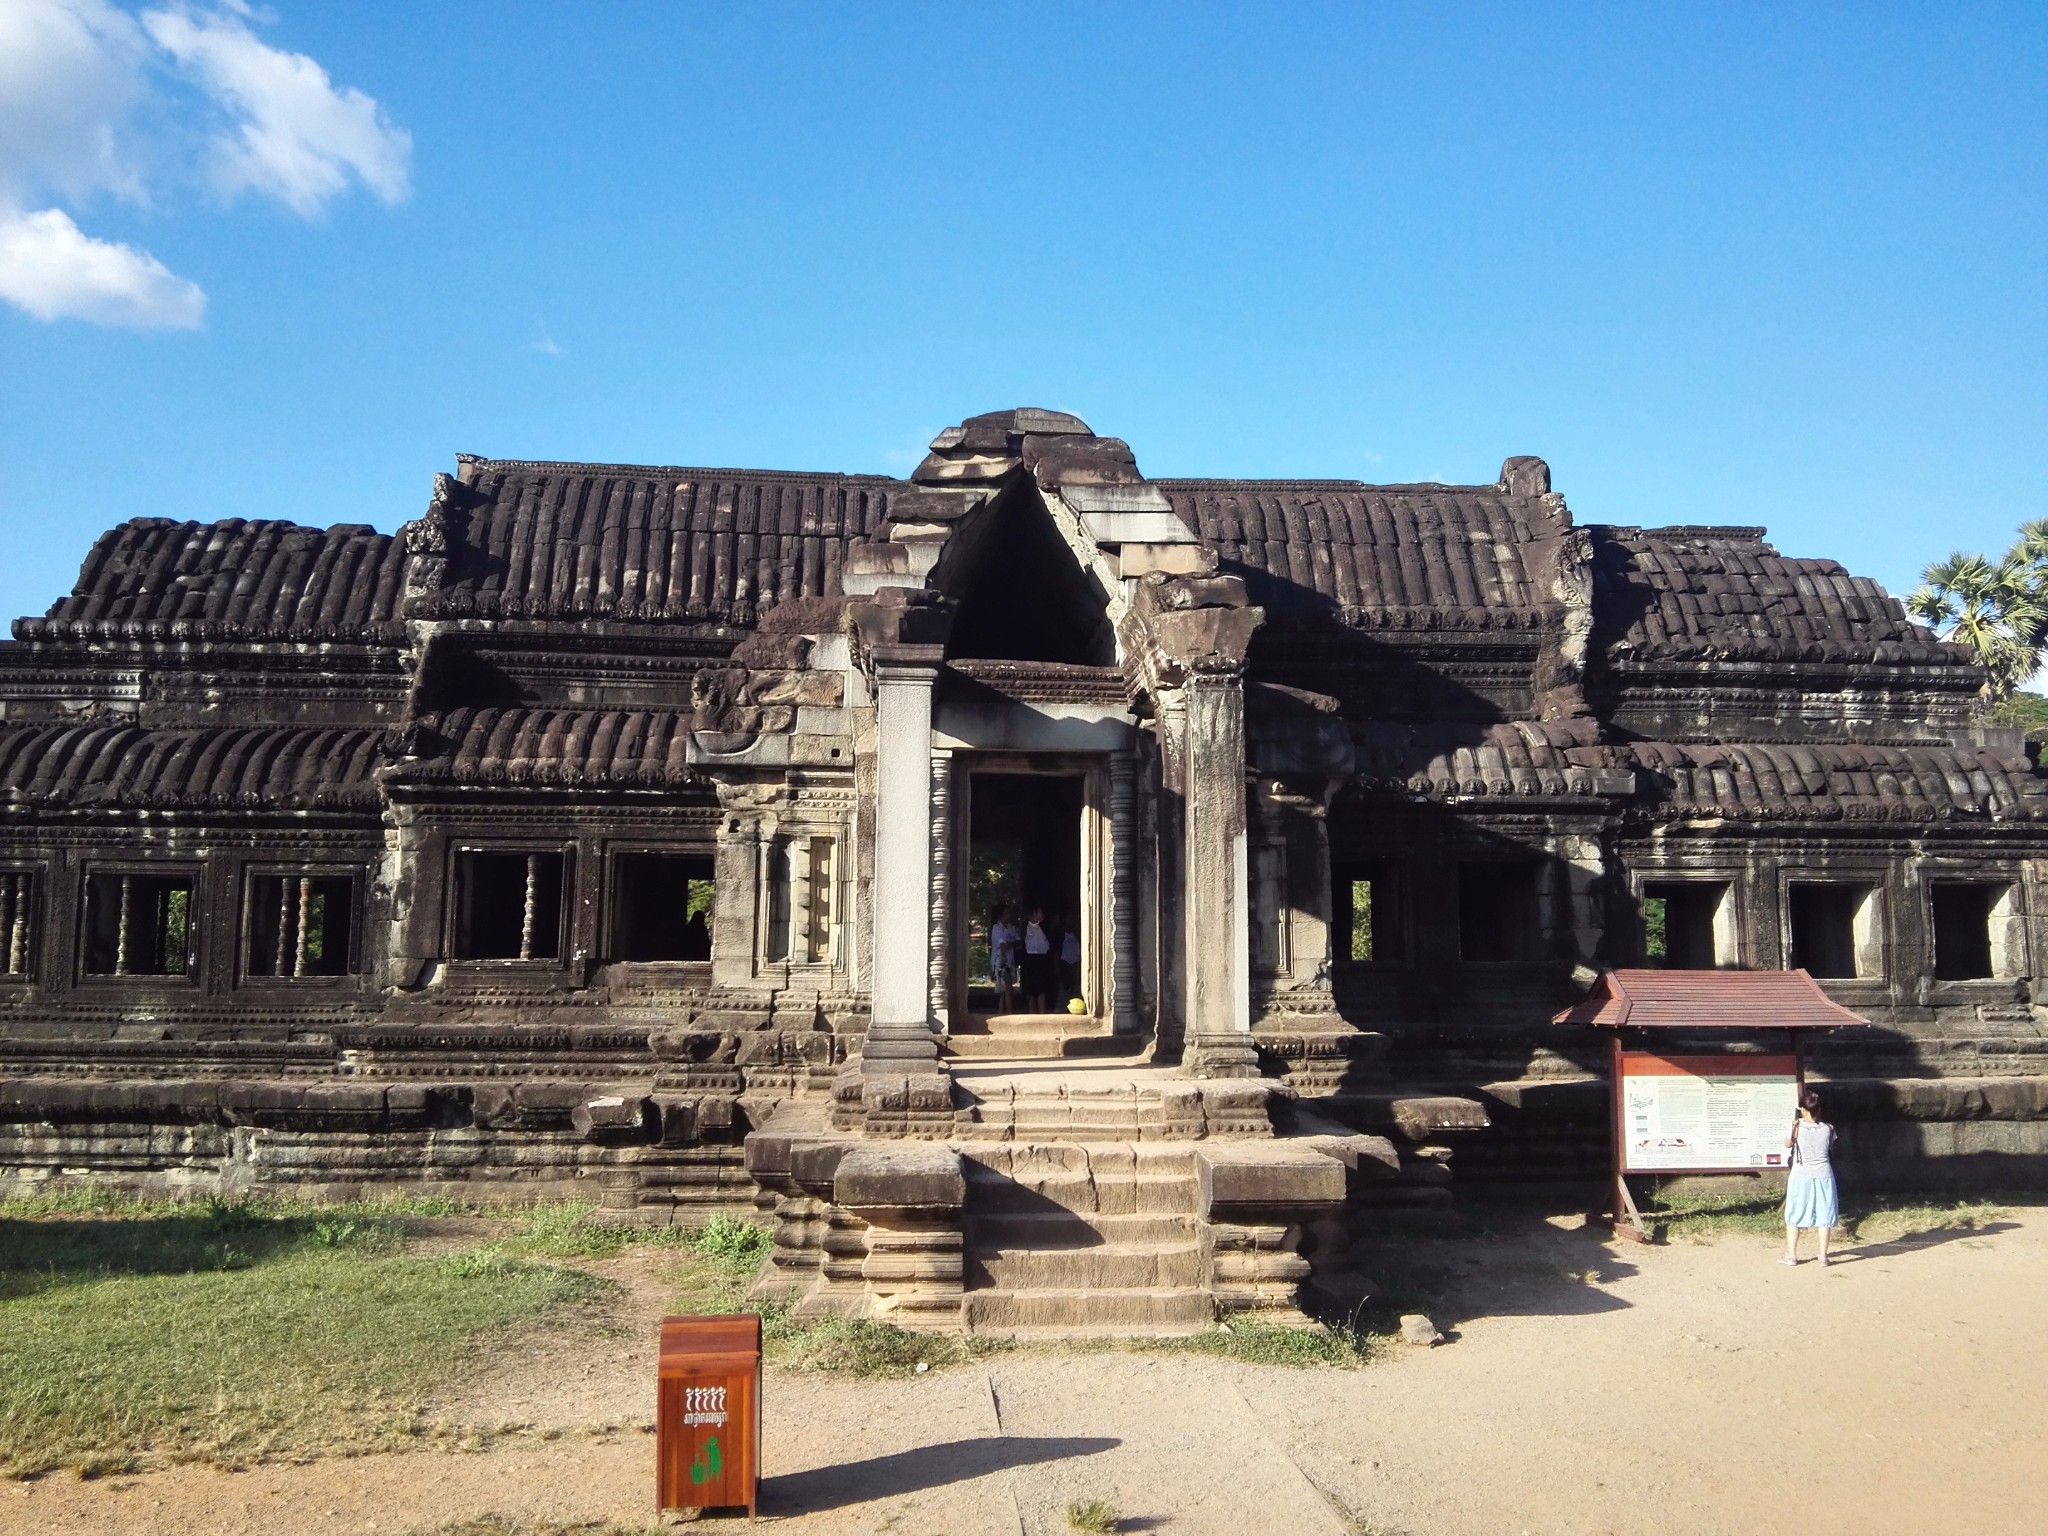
1591 1388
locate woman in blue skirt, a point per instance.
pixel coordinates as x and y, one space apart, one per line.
1810 1199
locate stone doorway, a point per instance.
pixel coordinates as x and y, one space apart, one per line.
1026 837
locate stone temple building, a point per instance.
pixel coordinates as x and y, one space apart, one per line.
631 831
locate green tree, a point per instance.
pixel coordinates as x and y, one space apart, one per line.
1999 609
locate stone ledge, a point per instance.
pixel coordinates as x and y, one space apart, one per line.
906 1176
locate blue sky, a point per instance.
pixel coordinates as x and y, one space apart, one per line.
1783 265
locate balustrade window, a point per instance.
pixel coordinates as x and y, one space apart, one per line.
299 925
17 906
138 924
508 905
800 900
663 905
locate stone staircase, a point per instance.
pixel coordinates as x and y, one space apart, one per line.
1034 1037
1065 1199
1068 1239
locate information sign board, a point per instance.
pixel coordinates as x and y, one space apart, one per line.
1705 1114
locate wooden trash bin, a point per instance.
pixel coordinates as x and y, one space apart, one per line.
707 1413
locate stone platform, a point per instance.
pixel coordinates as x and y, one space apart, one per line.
1069 1198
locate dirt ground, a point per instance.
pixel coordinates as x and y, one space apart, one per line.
1589 1387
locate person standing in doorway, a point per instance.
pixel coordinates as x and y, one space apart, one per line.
1002 956
1037 962
1810 1197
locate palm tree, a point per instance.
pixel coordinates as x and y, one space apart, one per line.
2000 611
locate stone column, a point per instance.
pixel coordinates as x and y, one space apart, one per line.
940 964
1171 880
900 1037
1214 902
1123 906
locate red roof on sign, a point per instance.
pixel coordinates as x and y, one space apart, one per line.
1657 999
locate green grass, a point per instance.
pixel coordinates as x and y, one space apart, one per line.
1261 1343
137 1331
854 1346
1705 1217
1094 1517
229 1332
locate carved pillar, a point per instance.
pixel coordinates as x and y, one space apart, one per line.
1217 942
736 870
1171 1037
900 1037
1123 880
939 968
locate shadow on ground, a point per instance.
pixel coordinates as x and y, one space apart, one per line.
914 1471
1503 1263
1913 1242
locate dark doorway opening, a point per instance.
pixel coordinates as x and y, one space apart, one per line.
662 907
1024 851
1497 913
1823 921
1962 929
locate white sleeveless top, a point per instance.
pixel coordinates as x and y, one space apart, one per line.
1814 1142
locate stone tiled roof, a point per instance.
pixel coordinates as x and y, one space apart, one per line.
73 767
1517 757
583 541
1742 782
1382 557
151 578
1837 782
1724 594
565 748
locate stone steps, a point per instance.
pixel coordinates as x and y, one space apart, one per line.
1112 1267
1063 1313
1079 1238
1062 1229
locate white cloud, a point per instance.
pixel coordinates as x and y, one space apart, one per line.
295 137
72 73
55 271
95 102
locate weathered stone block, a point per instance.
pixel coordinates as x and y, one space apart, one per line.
1267 1178
909 1176
612 1115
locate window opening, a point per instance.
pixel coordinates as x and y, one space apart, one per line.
17 890
1365 912
299 925
664 904
1268 879
1832 930
1682 922
509 906
1962 915
138 925
1497 918
776 893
